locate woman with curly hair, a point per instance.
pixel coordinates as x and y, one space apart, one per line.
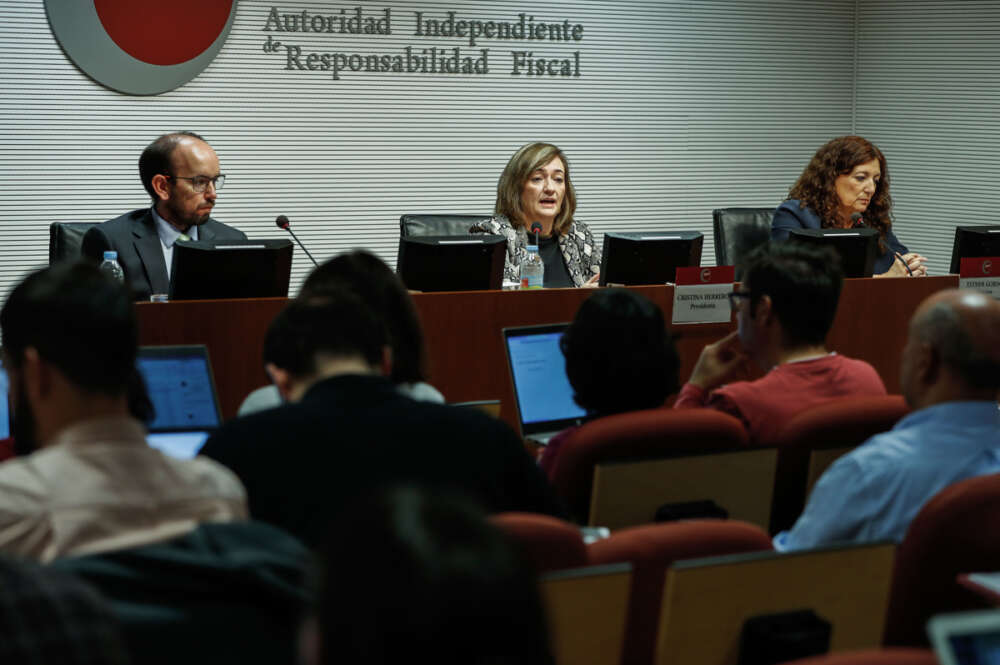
848 176
535 187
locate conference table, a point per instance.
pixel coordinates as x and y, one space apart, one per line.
466 359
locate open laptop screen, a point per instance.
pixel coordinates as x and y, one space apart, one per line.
180 384
538 371
4 404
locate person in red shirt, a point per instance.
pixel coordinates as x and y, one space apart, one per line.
784 310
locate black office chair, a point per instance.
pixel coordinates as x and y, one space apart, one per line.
438 225
65 239
737 231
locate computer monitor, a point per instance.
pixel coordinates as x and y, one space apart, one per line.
648 258
973 241
451 263
856 247
203 269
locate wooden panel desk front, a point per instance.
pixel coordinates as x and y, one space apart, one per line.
465 352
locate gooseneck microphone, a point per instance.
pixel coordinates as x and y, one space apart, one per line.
283 223
856 220
536 228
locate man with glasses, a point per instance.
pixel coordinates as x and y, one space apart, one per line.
180 171
784 310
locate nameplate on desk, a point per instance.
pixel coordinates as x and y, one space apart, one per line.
701 295
460 242
980 274
241 247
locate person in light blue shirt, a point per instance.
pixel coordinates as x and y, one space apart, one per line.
951 380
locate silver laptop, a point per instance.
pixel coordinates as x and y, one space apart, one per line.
181 386
544 397
966 638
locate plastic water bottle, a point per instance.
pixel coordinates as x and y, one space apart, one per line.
532 269
109 266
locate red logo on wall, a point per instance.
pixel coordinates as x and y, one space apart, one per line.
141 47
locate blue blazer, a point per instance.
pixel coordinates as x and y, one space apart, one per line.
791 215
140 253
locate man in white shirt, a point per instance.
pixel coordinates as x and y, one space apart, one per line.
92 483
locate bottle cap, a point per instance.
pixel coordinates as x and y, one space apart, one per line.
110 256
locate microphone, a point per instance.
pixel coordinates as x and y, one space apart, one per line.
283 223
857 220
536 228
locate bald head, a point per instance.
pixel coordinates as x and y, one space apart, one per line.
961 329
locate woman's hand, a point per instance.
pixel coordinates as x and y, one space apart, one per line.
897 269
591 283
915 263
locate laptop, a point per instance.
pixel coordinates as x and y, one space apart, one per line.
966 638
542 391
181 386
4 404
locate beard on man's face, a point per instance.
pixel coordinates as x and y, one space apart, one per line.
23 429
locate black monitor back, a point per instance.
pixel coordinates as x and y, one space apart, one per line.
230 269
451 263
974 241
856 247
648 258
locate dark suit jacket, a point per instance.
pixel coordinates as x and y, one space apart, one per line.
303 463
140 253
790 215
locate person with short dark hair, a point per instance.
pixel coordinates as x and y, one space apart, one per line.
619 357
381 288
424 577
848 176
91 483
180 171
951 379
785 309
535 187
346 429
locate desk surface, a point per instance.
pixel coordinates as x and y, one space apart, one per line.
466 360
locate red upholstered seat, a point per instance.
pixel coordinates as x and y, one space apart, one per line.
831 426
638 435
652 549
548 542
958 531
872 657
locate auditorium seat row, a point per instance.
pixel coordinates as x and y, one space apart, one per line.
619 470
681 592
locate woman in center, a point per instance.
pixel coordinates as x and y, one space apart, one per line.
535 187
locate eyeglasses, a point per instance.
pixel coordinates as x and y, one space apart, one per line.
199 183
736 297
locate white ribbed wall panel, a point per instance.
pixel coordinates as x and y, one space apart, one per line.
928 90
682 107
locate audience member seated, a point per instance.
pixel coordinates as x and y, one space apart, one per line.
92 483
232 592
347 429
619 357
424 578
180 172
385 293
951 380
785 308
50 617
535 187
